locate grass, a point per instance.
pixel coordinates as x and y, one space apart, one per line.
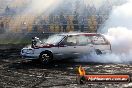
15 41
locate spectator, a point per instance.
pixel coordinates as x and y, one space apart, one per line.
75 23
24 27
99 21
2 27
61 21
45 26
35 27
82 25
64 25
7 11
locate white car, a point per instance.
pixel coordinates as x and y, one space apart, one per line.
67 45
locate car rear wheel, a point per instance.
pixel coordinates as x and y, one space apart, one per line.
45 57
98 52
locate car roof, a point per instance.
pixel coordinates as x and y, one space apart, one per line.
86 34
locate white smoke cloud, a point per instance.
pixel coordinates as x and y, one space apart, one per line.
118 30
41 6
96 3
121 16
107 58
121 39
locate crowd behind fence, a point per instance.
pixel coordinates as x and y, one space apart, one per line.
84 18
51 24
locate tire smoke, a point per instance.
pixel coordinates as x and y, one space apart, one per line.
118 30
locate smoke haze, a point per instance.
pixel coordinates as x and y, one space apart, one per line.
118 30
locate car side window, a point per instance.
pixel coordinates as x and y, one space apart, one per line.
70 41
83 40
89 40
98 40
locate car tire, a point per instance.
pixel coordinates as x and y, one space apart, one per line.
98 52
81 80
45 57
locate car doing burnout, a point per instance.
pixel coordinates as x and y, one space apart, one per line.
67 45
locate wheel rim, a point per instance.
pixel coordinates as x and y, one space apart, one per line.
45 57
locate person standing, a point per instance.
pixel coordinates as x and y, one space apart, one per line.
82 25
64 25
75 22
1 27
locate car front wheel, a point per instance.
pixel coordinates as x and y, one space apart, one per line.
45 57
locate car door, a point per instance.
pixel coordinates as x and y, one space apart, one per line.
67 47
84 45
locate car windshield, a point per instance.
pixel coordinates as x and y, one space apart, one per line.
55 39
